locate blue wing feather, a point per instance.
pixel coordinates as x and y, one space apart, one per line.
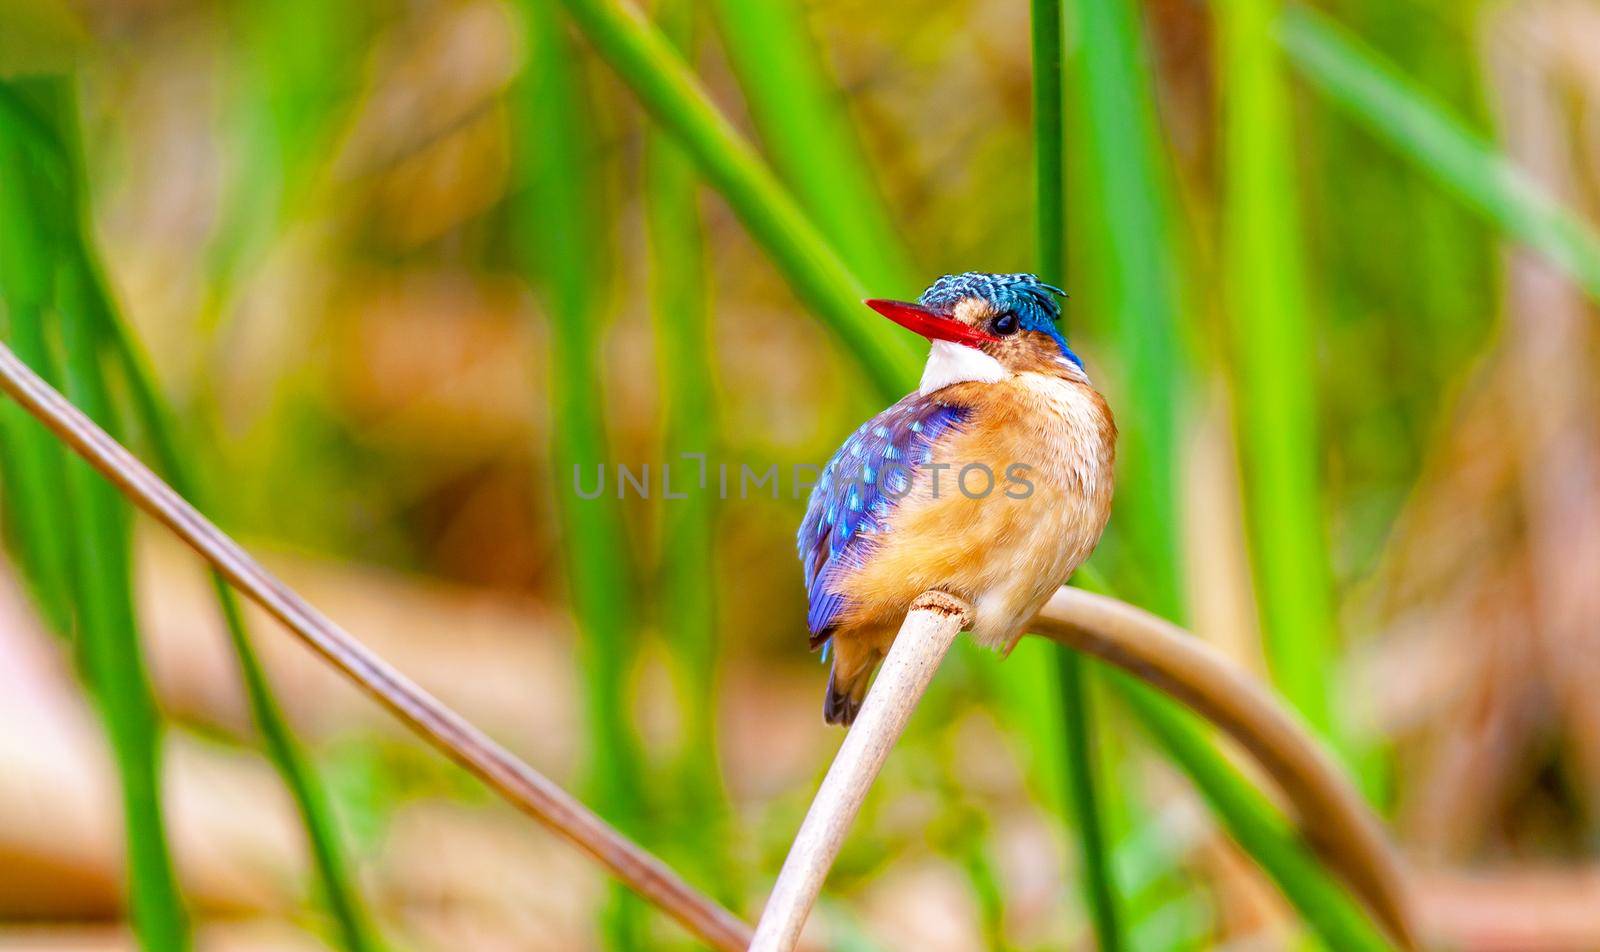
856 493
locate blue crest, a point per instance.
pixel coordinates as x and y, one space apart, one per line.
1033 301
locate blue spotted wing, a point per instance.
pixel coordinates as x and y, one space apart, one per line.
857 491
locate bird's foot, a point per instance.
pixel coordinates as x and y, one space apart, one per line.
945 604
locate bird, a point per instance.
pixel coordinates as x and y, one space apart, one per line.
992 481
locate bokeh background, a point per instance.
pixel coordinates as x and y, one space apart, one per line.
398 265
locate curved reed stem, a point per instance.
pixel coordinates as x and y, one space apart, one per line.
1332 814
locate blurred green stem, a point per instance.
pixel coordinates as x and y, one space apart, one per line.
1098 882
97 534
809 135
290 56
667 87
110 638
1122 195
687 557
1072 684
82 275
1274 372
1049 139
1353 77
37 517
335 879
563 238
1133 268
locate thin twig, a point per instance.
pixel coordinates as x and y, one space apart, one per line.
1332 814
519 783
929 630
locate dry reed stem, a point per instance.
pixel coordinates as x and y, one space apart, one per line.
925 637
1151 649
519 783
1332 815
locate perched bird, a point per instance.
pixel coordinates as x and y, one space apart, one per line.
991 482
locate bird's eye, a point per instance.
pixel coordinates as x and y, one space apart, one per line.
1006 324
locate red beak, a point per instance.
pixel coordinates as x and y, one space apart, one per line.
929 323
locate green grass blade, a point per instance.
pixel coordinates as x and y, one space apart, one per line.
31 133
37 523
1274 377
1094 852
1074 707
687 556
336 882
1126 269
809 136
1356 79
109 638
37 519
566 259
1131 269
663 82
99 541
565 254
1049 139
291 64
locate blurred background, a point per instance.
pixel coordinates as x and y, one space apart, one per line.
396 267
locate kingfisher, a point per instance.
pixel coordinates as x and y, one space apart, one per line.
991 482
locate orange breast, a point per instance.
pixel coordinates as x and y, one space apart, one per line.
1009 506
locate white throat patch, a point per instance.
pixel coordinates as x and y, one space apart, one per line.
949 363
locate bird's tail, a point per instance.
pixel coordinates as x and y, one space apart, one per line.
843 701
847 683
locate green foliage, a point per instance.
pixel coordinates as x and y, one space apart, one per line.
810 139
335 880
108 634
1123 194
1405 279
46 277
1273 364
1049 135
102 596
1074 708
813 267
1441 145
567 265
38 520
1094 851
687 557
1251 820
295 75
